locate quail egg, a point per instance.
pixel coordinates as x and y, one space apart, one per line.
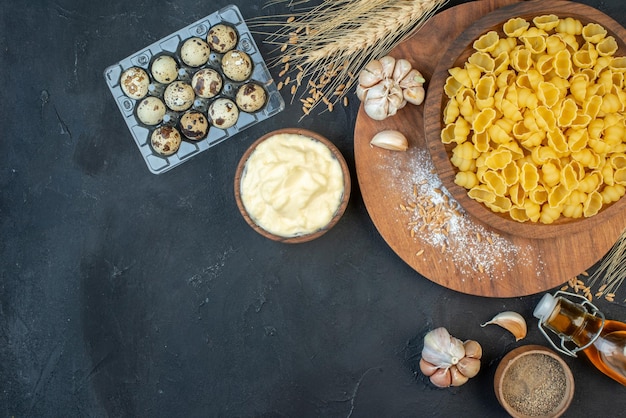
223 113
250 97
237 65
194 125
179 96
222 38
151 110
135 82
165 140
195 52
164 69
206 83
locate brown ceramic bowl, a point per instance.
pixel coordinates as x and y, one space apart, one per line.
436 100
294 239
534 381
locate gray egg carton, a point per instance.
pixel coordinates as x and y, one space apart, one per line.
170 44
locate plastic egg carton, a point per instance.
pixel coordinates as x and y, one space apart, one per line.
170 44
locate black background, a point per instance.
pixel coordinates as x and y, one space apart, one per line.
126 294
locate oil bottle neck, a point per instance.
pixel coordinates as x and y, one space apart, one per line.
572 321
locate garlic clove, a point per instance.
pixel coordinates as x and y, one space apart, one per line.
428 369
456 377
402 69
396 97
388 64
391 140
469 366
414 95
361 92
442 349
442 378
512 322
413 79
379 91
371 74
473 349
376 108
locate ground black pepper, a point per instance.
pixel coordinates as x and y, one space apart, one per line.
534 385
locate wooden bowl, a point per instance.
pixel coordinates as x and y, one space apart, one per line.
533 380
301 237
436 100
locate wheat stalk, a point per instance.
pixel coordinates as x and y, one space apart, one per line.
611 271
330 43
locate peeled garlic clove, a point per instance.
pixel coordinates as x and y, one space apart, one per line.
402 68
442 378
469 366
388 64
391 140
442 349
428 369
371 74
473 349
414 95
457 378
512 322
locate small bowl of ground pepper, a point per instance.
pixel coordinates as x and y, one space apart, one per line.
533 381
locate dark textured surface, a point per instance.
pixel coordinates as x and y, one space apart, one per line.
125 294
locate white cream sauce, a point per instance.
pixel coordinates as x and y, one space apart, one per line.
292 185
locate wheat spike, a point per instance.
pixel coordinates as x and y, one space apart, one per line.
611 271
330 43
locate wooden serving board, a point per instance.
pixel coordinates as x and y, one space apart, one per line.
472 258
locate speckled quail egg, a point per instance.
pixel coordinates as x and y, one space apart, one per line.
194 125
135 82
222 38
165 140
151 110
207 83
250 97
223 113
195 52
179 96
236 65
164 69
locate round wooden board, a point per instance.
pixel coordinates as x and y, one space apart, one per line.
473 258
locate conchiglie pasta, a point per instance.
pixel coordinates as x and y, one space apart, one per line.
593 204
573 211
607 46
533 210
483 61
504 45
570 26
536 119
514 27
549 214
546 22
501 204
613 193
467 179
593 32
487 42
461 75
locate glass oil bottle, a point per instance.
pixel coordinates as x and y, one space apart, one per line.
603 341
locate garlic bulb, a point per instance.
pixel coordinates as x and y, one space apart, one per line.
387 85
448 361
512 322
